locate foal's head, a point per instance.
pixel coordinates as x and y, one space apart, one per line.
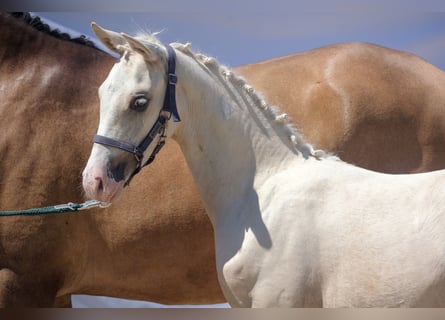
134 118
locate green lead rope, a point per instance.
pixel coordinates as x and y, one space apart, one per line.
61 208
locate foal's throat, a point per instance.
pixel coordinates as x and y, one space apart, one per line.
227 140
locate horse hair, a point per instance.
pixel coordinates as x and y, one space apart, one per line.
38 24
244 88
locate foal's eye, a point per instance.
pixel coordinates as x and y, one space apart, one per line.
139 103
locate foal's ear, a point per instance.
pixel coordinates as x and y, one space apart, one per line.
150 52
112 40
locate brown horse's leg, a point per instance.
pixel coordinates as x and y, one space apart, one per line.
16 291
9 286
63 302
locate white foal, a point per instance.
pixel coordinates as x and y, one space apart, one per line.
293 226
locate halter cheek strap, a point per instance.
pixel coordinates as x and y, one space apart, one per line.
169 109
170 93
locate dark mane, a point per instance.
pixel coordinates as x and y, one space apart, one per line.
38 24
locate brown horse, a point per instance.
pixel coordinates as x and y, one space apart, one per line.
163 253
375 107
161 248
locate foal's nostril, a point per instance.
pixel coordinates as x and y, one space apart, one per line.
100 186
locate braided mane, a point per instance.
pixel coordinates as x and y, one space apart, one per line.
244 89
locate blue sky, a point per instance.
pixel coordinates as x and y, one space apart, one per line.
247 33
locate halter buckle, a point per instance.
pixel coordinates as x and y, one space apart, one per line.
172 78
138 156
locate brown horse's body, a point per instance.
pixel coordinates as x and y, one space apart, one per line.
375 107
151 246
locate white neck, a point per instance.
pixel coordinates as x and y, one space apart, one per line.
229 140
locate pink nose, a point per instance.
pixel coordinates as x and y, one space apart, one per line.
95 188
99 186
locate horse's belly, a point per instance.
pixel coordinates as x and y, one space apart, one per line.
421 294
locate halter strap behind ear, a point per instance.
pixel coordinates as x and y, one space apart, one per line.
170 93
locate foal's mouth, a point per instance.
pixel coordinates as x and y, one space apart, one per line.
110 190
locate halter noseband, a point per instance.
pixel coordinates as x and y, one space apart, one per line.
159 126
